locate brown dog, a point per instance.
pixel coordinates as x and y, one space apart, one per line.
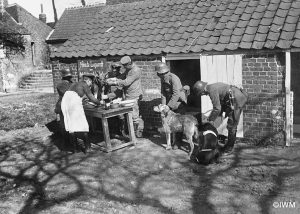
174 123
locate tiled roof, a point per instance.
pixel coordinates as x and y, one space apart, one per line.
9 25
185 26
72 20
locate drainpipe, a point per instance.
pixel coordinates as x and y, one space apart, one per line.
288 125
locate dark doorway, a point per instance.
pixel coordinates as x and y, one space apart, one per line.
295 87
188 72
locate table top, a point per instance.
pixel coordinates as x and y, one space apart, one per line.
99 111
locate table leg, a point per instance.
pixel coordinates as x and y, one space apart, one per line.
106 134
130 127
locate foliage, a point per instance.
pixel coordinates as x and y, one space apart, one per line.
26 110
11 39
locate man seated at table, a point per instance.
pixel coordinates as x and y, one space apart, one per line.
74 117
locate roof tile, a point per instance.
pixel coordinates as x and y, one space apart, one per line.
259 37
296 43
245 45
235 39
258 45
248 38
287 35
270 44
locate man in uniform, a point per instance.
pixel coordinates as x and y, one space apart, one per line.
113 91
62 87
72 109
132 88
172 93
225 98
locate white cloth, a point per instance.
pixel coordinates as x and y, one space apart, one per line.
74 116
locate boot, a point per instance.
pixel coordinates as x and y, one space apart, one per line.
230 143
87 144
73 142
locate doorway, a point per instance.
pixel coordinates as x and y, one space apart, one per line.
295 87
188 71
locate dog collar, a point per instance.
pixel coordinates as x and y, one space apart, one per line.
209 132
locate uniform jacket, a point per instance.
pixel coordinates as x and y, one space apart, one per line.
218 93
132 83
171 90
61 88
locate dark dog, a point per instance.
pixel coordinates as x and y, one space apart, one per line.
174 123
208 149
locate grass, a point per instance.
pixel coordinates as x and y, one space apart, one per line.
26 110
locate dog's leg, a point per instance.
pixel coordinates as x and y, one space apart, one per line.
190 140
168 136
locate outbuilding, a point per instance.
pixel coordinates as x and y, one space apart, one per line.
250 43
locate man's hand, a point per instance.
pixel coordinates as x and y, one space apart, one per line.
104 97
111 81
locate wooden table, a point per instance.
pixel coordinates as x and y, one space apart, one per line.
103 114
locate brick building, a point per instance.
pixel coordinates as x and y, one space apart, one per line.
249 43
35 54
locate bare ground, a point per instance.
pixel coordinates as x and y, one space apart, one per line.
36 177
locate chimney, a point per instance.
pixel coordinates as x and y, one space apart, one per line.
42 16
3 5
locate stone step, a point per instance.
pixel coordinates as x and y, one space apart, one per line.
36 86
37 79
37 83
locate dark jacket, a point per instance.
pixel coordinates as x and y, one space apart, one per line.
132 83
171 91
61 88
219 95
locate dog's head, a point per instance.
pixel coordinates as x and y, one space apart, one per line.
161 108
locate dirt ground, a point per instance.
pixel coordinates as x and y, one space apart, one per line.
36 177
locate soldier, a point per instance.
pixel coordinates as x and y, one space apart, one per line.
72 108
113 91
132 88
225 98
172 92
61 88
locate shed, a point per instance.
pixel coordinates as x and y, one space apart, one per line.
250 43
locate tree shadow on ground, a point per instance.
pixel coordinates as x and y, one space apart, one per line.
141 179
27 163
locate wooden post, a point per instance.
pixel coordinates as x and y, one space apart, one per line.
130 128
106 134
288 125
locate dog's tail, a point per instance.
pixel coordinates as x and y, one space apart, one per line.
196 135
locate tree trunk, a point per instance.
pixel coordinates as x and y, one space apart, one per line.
54 11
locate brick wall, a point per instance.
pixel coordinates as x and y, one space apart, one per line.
263 79
150 84
110 2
